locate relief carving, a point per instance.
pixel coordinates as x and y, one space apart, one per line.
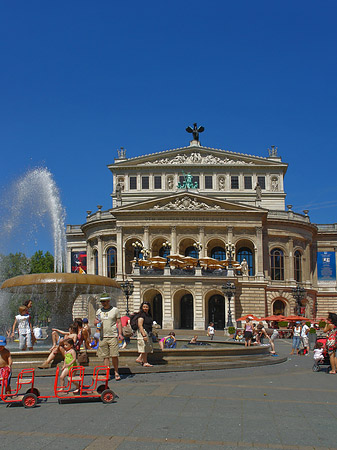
197 158
187 203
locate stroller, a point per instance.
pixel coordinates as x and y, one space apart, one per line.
326 361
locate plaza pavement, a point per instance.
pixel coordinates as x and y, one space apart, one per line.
282 406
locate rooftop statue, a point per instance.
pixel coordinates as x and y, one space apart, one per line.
195 131
188 182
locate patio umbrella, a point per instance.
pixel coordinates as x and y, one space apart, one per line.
157 258
208 260
243 318
274 317
144 262
295 318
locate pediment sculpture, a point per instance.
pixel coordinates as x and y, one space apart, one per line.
187 203
197 158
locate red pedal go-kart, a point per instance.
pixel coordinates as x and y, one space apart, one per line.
101 375
25 378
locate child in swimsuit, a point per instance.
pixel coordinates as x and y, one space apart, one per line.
5 364
69 354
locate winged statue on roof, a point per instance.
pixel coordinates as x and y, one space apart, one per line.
195 131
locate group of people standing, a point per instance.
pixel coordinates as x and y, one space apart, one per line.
111 330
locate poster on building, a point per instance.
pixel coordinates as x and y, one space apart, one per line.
79 262
326 267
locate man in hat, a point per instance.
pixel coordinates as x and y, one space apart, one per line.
111 331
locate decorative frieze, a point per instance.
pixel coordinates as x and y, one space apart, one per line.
187 203
197 158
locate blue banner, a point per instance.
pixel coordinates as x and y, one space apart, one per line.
326 266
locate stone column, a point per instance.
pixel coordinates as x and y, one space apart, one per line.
289 268
306 265
146 238
259 253
135 301
69 260
89 258
202 241
174 240
119 245
168 314
229 235
199 316
100 255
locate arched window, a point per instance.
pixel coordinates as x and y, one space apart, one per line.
95 255
277 264
191 251
279 307
298 266
218 253
111 256
247 254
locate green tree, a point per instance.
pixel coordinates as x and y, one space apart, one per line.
13 265
42 263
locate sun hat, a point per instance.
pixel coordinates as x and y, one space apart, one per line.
3 340
104 297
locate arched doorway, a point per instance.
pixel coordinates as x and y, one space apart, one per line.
279 307
216 311
157 309
186 312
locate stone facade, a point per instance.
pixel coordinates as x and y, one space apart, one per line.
148 207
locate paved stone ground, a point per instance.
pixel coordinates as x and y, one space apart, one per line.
283 406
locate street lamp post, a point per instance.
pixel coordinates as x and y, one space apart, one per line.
229 290
167 246
138 246
298 293
145 252
127 287
198 246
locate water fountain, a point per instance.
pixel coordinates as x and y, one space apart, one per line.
30 201
31 204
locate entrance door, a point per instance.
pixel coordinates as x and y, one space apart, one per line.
157 310
186 312
216 311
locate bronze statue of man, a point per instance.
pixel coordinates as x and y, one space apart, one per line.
195 131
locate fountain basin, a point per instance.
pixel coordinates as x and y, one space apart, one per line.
61 291
225 355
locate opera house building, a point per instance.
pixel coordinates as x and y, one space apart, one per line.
204 235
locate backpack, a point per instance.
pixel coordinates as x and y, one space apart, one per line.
134 320
127 331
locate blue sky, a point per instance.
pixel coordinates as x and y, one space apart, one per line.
80 79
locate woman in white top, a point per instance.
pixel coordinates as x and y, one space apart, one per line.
296 338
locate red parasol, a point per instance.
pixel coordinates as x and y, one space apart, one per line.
296 318
243 318
275 317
